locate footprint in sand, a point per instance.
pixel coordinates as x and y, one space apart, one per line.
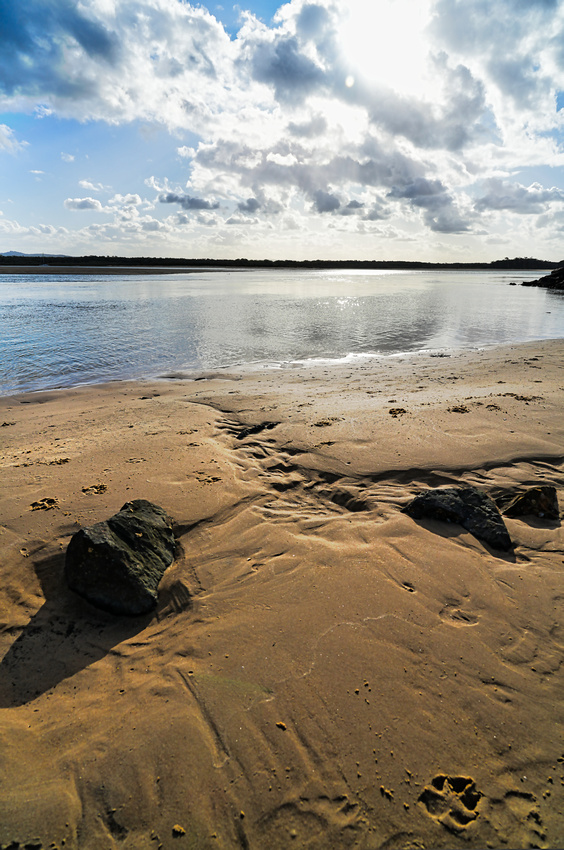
456 616
306 820
46 504
95 489
517 817
451 801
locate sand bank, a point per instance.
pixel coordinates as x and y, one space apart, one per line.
322 671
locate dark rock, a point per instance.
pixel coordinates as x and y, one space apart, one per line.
539 501
469 507
117 564
554 280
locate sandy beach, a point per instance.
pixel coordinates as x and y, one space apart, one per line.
321 671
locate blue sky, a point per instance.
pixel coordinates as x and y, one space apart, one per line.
377 129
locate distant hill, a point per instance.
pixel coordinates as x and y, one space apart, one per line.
19 254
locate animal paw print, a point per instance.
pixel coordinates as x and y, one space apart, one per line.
452 801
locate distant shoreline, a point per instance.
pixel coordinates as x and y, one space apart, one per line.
117 270
173 265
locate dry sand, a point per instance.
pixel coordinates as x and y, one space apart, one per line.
322 671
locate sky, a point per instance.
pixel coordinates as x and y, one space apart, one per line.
337 129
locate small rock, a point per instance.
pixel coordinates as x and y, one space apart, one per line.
469 507
178 830
539 501
117 564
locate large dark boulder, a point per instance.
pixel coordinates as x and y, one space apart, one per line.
541 501
469 507
117 564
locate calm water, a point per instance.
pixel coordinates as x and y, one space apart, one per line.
65 330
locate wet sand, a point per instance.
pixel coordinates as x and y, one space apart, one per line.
321 671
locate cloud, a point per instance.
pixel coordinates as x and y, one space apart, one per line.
352 208
42 111
251 205
126 200
325 201
92 187
187 202
84 204
270 125
110 61
377 212
310 129
525 200
441 214
8 141
513 43
282 64
421 192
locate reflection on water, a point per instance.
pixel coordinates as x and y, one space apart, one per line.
64 330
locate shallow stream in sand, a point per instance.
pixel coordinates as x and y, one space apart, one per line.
63 330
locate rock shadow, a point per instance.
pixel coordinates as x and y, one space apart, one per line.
63 637
453 531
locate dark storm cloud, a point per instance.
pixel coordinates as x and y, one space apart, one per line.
187 202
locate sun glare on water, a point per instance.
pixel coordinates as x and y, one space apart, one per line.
384 43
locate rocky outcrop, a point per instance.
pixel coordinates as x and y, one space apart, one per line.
469 507
554 280
117 564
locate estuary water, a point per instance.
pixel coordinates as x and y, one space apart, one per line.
64 330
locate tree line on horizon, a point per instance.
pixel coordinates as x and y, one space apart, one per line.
175 262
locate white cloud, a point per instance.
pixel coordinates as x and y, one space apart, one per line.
126 200
91 187
42 111
525 200
449 98
84 204
8 141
